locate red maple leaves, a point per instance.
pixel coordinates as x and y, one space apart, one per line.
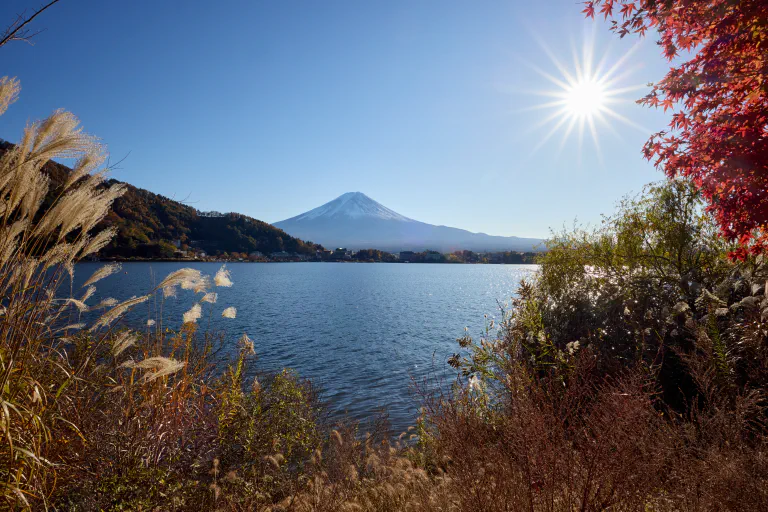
718 135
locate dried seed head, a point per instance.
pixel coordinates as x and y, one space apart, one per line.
9 92
222 277
123 341
184 277
193 315
111 315
246 344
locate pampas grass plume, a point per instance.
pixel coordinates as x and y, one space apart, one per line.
101 273
193 315
222 277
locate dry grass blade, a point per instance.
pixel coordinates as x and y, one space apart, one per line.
111 315
123 341
82 306
88 293
105 271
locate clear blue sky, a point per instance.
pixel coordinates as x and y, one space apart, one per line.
271 108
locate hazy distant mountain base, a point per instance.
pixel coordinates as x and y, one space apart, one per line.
356 221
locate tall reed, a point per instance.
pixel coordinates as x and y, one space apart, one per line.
53 365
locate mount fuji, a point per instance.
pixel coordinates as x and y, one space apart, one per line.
355 221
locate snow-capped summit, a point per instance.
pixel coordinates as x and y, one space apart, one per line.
351 204
355 221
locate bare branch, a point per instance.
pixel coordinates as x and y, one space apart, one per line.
17 31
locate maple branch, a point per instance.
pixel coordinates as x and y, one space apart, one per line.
16 31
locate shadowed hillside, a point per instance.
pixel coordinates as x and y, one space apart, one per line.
148 224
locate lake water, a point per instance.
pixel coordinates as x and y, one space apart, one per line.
361 331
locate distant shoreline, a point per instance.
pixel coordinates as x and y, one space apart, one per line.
182 260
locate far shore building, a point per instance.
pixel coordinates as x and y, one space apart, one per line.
342 253
406 255
280 255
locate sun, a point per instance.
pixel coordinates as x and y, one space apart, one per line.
585 96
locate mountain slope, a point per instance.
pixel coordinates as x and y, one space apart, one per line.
148 223
356 221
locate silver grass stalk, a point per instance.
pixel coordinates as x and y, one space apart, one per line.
98 242
32 240
105 271
111 315
28 267
9 239
200 285
222 277
230 312
166 367
35 191
59 136
128 363
193 314
82 306
9 92
59 254
88 293
246 344
87 163
81 208
23 190
162 366
177 278
123 341
73 327
210 297
107 302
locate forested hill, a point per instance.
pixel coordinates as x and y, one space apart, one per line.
148 224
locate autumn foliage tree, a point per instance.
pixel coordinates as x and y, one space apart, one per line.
718 91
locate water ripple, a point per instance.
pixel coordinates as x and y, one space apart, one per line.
361 331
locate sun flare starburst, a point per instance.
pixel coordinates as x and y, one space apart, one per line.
585 96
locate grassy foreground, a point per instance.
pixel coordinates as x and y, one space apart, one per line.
631 375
